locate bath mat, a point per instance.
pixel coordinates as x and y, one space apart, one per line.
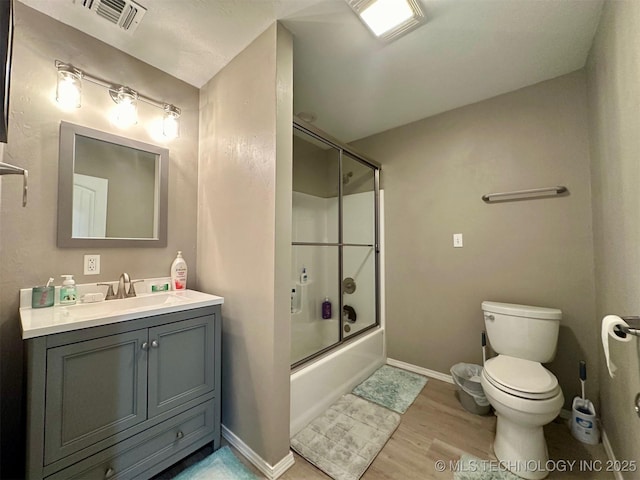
391 387
344 440
472 468
221 465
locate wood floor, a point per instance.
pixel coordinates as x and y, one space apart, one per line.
436 427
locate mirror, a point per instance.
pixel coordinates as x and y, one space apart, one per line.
112 191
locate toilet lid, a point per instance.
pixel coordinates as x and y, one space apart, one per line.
521 377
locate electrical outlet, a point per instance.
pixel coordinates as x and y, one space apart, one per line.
91 264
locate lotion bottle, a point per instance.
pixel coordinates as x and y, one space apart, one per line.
68 292
179 273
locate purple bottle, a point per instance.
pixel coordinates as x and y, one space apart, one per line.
326 308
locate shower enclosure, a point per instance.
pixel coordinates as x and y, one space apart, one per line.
335 244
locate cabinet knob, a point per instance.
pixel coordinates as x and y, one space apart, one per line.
179 435
154 344
145 346
109 473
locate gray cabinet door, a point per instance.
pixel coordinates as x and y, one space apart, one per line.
181 362
95 389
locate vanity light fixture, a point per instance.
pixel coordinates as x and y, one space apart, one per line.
389 19
69 87
69 95
170 123
126 114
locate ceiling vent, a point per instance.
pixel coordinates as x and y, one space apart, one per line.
126 14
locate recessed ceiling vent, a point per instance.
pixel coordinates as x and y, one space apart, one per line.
126 14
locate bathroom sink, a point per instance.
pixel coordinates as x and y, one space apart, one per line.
107 307
36 322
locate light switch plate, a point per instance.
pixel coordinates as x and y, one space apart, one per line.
457 240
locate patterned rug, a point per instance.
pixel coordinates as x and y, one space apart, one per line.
345 439
472 468
391 387
220 465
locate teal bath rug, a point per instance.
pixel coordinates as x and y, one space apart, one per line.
220 465
391 387
344 440
472 468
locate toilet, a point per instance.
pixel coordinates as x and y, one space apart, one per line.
525 395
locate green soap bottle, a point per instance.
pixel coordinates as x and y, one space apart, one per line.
68 292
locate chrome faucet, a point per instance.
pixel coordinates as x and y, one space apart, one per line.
122 291
122 288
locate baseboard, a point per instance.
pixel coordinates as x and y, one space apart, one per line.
422 371
269 471
612 457
565 414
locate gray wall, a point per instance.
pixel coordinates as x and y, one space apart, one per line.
536 252
28 236
244 234
614 96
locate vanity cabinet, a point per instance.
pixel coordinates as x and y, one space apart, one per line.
124 400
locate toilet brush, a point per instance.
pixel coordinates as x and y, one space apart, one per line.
584 425
583 377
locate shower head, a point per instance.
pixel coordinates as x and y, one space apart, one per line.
346 177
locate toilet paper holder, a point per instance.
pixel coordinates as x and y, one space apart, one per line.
633 329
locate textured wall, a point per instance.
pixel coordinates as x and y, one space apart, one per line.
244 234
614 96
28 237
536 252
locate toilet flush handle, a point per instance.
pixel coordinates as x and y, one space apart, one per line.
489 317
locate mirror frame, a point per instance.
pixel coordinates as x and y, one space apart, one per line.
66 163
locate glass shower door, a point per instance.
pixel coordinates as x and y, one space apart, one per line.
315 263
359 227
334 273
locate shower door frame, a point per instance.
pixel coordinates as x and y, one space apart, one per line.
325 138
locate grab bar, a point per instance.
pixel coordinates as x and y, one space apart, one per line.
534 192
8 169
633 328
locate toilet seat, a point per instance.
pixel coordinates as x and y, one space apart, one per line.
521 378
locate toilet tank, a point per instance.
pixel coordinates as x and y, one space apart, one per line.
522 331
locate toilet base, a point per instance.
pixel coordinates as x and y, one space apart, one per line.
521 448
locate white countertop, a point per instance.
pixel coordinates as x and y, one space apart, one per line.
37 322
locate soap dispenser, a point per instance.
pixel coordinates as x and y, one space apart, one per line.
304 276
68 292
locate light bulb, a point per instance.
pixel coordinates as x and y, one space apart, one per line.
171 122
126 114
69 88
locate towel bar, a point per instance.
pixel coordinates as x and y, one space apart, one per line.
531 193
8 169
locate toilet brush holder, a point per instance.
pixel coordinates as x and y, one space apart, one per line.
584 424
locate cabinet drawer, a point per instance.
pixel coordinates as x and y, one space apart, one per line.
140 452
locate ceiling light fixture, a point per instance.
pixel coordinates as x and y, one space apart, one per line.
69 95
389 19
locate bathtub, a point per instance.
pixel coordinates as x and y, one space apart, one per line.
316 386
